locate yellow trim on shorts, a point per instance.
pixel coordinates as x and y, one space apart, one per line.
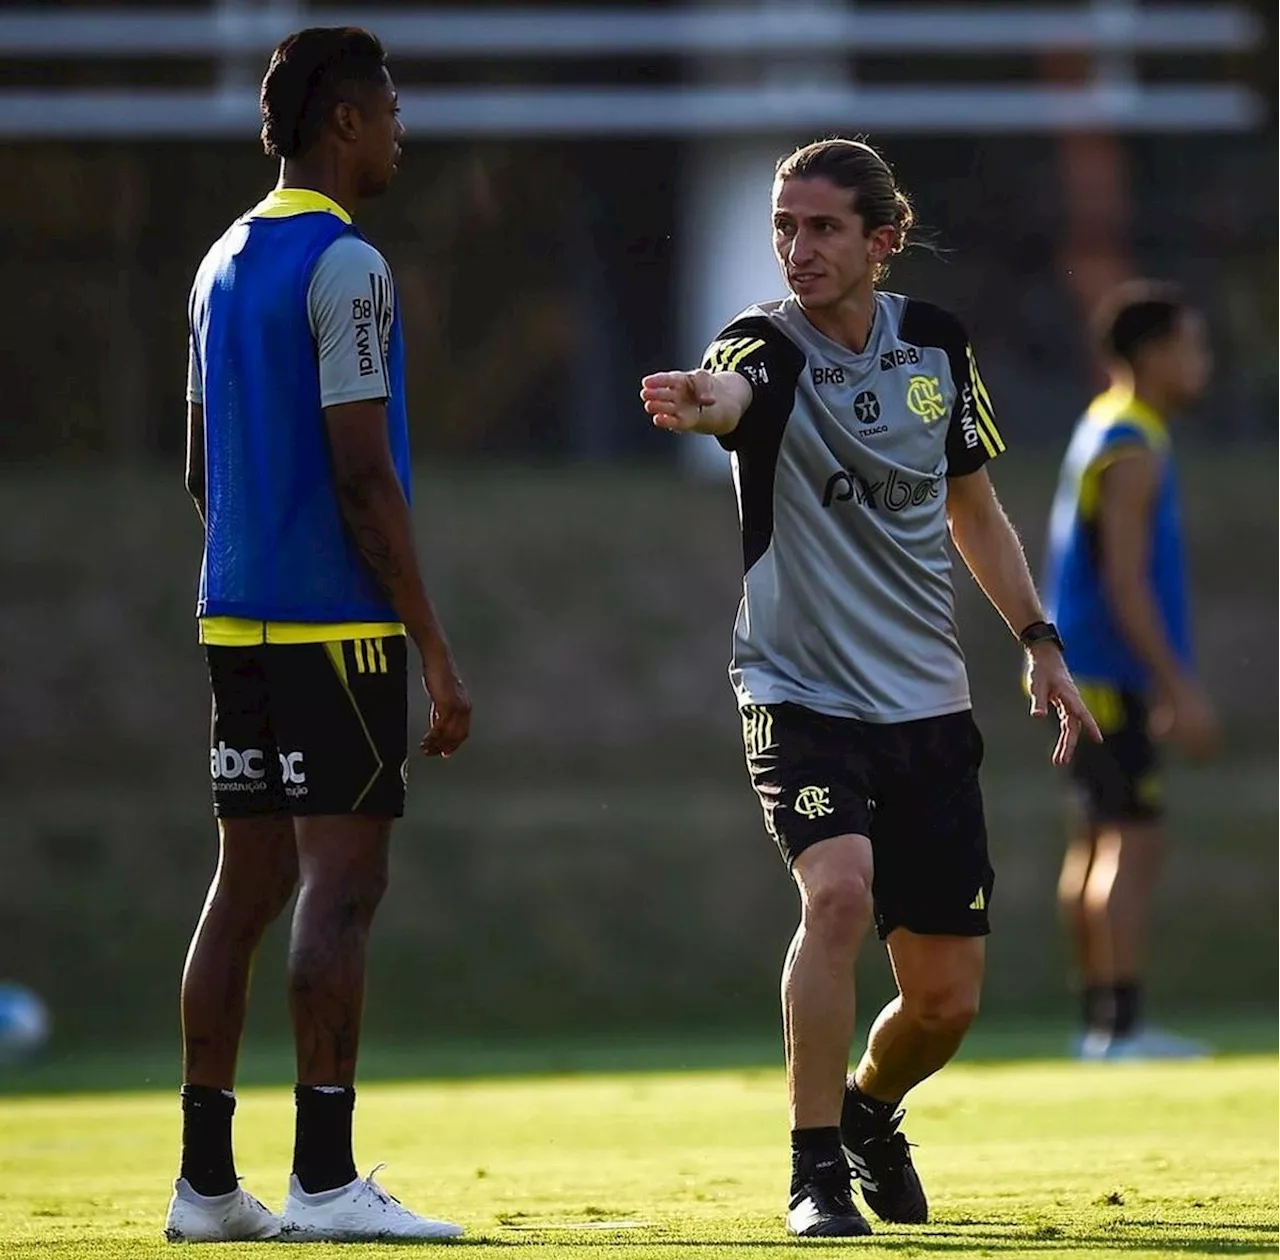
245 632
1106 704
333 649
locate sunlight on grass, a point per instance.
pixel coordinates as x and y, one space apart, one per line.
1046 1159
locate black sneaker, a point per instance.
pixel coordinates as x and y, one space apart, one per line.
823 1208
880 1157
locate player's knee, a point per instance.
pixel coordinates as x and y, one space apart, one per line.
839 908
255 900
943 1010
346 899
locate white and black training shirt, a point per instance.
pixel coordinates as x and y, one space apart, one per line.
840 464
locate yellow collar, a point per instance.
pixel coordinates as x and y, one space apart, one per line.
280 203
1120 402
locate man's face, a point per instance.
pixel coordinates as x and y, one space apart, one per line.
1182 361
822 246
378 139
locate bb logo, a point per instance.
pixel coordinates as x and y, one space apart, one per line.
234 763
899 358
924 398
814 802
866 406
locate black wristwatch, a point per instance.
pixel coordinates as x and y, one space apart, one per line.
1041 632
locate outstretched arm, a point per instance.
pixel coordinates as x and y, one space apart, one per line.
696 402
990 547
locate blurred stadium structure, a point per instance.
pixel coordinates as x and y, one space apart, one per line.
621 155
584 199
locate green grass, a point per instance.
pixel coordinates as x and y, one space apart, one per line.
1044 1159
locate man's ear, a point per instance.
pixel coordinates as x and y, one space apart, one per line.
345 121
881 242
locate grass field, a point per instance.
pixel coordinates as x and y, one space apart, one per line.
1045 1159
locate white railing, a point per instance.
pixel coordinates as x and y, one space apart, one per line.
581 31
1110 31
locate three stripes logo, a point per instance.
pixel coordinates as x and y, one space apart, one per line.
724 356
757 729
979 902
370 656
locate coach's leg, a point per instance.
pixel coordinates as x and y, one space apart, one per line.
256 873
342 861
939 985
834 879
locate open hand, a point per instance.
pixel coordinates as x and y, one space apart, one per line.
1050 685
450 706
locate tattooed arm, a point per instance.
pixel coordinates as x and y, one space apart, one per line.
377 514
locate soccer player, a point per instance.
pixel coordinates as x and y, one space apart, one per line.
298 461
1116 586
859 430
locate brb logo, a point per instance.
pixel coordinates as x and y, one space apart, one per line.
893 493
244 770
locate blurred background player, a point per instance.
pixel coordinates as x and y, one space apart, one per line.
298 461
859 428
1116 587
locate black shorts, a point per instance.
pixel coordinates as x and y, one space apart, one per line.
1117 780
912 787
309 728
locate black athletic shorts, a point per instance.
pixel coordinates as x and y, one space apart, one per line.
912 787
1117 780
309 728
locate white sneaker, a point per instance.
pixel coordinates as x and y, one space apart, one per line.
232 1217
359 1212
1139 1046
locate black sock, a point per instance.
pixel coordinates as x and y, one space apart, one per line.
206 1139
1127 1001
1099 1008
322 1158
815 1151
859 1107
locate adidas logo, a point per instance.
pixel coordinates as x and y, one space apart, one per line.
861 1171
979 902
